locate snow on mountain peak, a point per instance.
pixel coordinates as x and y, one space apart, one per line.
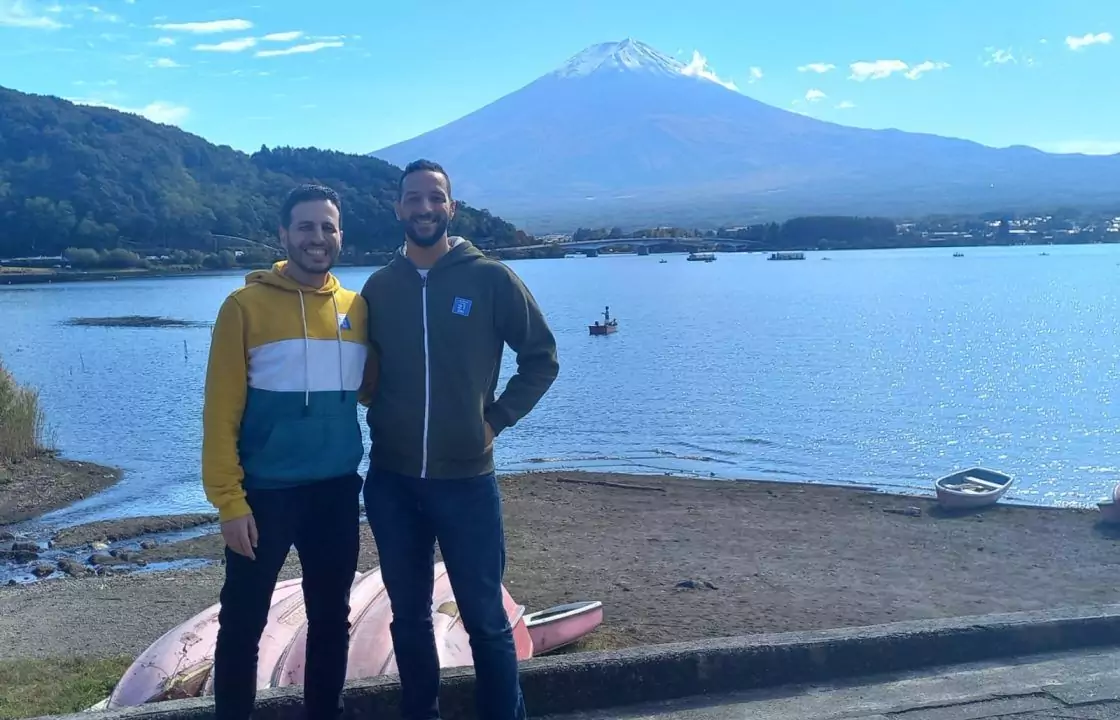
631 55
626 55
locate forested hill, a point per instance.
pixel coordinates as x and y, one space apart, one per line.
78 176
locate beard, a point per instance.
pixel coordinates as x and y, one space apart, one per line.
313 265
430 238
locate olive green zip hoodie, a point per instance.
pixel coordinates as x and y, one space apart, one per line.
438 342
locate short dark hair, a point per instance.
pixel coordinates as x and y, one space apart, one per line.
305 192
420 166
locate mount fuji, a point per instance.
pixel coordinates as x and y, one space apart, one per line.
623 134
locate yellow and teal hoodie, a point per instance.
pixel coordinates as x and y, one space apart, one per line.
280 409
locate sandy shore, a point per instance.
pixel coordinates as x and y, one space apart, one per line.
777 557
30 488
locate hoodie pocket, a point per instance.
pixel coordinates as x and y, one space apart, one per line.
308 448
458 437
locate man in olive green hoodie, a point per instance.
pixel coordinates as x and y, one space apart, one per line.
439 316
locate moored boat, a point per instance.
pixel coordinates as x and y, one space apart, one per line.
972 488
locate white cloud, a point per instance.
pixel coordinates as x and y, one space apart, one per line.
814 95
165 63
158 111
298 49
1084 147
21 14
205 28
230 46
846 105
164 42
998 56
699 68
819 68
1077 43
922 68
283 36
876 70
101 14
756 75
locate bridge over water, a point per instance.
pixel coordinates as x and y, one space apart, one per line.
638 242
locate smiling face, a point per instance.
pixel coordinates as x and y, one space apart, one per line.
425 207
313 238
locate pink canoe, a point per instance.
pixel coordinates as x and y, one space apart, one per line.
178 664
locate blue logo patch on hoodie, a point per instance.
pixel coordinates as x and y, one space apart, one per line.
461 306
343 321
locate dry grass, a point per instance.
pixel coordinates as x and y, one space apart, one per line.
22 422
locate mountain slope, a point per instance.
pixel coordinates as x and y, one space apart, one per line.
77 176
622 128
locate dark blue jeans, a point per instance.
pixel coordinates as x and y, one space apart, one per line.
408 515
321 520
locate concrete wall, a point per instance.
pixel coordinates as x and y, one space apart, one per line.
585 681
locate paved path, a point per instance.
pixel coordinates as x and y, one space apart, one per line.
1075 686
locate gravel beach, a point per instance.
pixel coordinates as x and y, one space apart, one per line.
671 559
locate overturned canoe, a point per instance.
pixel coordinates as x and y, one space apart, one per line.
178 664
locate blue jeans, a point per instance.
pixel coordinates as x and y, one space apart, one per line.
408 515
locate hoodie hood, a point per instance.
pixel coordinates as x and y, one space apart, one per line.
278 279
462 250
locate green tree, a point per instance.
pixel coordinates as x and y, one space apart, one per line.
82 258
121 259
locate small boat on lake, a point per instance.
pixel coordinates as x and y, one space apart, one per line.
701 257
972 488
608 326
787 256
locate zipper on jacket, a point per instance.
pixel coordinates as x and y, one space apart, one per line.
427 378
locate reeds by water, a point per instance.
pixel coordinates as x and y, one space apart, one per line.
22 422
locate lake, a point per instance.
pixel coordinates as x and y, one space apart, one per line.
884 368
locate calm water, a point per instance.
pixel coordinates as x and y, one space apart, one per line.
882 367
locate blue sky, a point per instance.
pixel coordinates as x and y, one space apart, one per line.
356 75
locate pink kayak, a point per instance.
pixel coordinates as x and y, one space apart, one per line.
178 664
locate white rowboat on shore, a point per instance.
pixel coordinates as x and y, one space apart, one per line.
972 488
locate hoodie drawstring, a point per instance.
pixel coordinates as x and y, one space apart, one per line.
338 334
307 352
306 355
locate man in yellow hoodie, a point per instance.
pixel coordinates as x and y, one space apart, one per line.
280 452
